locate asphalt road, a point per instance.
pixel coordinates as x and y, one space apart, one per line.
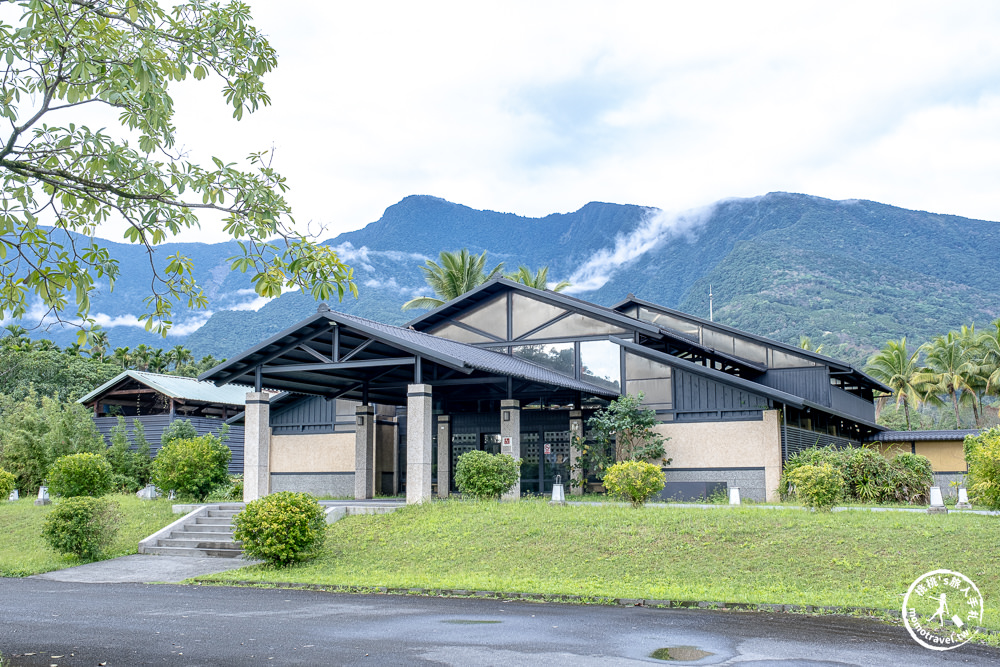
46 622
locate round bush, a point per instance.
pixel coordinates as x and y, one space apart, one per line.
281 528
82 526
192 466
819 486
80 475
485 476
7 484
634 481
982 452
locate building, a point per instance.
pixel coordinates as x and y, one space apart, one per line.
509 368
156 400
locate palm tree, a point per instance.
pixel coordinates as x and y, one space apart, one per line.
141 356
16 337
99 345
895 367
538 280
158 361
123 356
179 355
990 360
457 274
948 369
46 345
805 343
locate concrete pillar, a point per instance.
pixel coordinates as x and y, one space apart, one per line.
257 447
397 474
575 431
364 452
419 439
510 439
444 460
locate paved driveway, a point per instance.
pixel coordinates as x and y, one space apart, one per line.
45 622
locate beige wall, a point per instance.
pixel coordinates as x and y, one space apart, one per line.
327 452
944 455
744 444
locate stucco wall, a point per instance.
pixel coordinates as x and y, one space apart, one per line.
742 444
327 452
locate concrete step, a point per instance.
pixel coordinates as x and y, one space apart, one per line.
194 553
226 513
212 521
200 535
195 543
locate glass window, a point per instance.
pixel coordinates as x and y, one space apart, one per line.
600 363
750 351
718 340
557 356
456 333
689 329
783 360
577 325
656 393
491 318
641 368
530 314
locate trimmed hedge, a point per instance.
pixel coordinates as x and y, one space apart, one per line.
82 526
634 481
485 476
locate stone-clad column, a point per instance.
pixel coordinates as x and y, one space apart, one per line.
510 439
419 422
444 461
575 431
364 452
257 447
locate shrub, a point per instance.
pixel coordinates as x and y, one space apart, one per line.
82 526
232 490
622 431
192 466
485 476
178 429
634 481
912 478
80 475
7 484
819 486
281 528
982 453
868 476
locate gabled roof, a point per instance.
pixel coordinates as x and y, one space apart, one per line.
909 436
290 362
835 364
497 286
181 388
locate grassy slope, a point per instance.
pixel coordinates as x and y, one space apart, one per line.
865 559
23 551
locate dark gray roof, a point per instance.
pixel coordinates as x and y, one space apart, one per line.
908 436
460 354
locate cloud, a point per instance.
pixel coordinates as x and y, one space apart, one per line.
391 284
656 228
363 256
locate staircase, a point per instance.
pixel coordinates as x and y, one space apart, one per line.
207 531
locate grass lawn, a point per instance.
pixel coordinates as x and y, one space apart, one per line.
23 551
859 559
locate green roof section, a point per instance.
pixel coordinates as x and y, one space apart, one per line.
183 388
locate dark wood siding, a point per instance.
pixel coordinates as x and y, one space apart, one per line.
155 425
812 384
697 398
312 414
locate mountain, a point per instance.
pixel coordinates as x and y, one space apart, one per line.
848 274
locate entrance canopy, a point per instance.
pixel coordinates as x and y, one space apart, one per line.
336 355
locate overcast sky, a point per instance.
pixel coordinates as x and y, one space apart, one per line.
540 107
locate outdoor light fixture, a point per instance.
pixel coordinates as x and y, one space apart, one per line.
361 420
506 415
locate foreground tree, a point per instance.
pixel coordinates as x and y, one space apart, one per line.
458 273
124 54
